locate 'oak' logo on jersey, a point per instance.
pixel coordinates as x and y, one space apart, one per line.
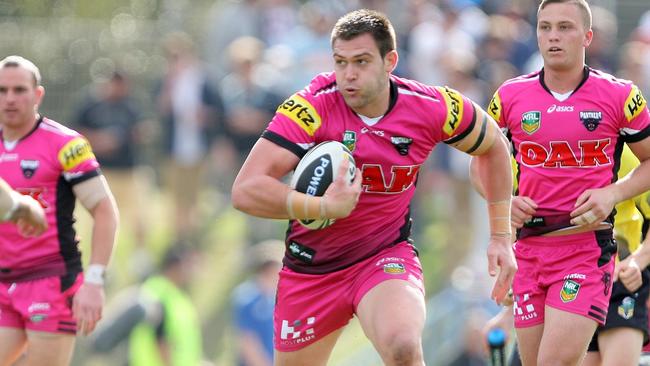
402 178
561 155
299 110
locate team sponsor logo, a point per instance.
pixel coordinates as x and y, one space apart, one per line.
29 167
626 309
569 291
635 104
402 144
454 103
394 268
350 139
560 154
494 109
401 179
365 130
75 152
575 276
607 282
300 111
301 252
559 108
522 309
591 119
530 121
298 332
8 157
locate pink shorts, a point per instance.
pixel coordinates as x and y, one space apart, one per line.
309 306
43 305
571 273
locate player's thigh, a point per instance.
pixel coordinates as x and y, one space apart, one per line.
620 346
315 354
12 344
566 337
592 359
44 348
392 312
528 340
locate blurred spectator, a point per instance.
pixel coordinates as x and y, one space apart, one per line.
160 322
253 303
473 351
249 105
601 53
114 124
192 116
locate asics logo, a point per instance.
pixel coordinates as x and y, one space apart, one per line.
559 108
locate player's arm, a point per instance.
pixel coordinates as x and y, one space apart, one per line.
95 195
491 157
259 191
22 210
628 271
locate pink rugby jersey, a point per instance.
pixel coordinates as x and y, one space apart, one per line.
389 154
45 164
564 147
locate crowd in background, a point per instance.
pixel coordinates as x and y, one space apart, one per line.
172 127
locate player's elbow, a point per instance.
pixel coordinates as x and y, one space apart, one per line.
239 198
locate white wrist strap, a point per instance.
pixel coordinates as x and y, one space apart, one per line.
94 274
15 202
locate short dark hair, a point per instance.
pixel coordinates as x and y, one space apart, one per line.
363 21
18 61
581 4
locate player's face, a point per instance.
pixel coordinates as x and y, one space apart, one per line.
562 36
362 75
19 97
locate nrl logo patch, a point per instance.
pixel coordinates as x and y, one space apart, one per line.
530 121
349 139
591 119
29 167
402 144
394 268
569 291
626 309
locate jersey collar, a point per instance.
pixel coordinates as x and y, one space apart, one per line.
585 76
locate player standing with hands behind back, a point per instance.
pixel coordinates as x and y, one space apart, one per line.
365 264
567 124
44 296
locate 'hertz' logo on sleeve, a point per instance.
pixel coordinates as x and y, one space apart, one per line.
302 113
495 107
75 152
454 103
634 104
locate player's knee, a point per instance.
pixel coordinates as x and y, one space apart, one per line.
403 349
559 359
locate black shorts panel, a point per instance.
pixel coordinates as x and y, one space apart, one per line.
627 309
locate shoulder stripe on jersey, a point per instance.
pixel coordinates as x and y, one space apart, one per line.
481 135
283 142
326 91
326 88
467 131
404 86
416 94
635 137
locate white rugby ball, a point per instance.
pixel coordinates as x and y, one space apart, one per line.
317 170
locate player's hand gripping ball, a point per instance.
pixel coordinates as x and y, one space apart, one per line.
317 170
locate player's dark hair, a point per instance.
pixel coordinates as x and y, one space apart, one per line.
581 4
18 61
363 21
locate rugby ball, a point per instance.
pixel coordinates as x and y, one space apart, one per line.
317 170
